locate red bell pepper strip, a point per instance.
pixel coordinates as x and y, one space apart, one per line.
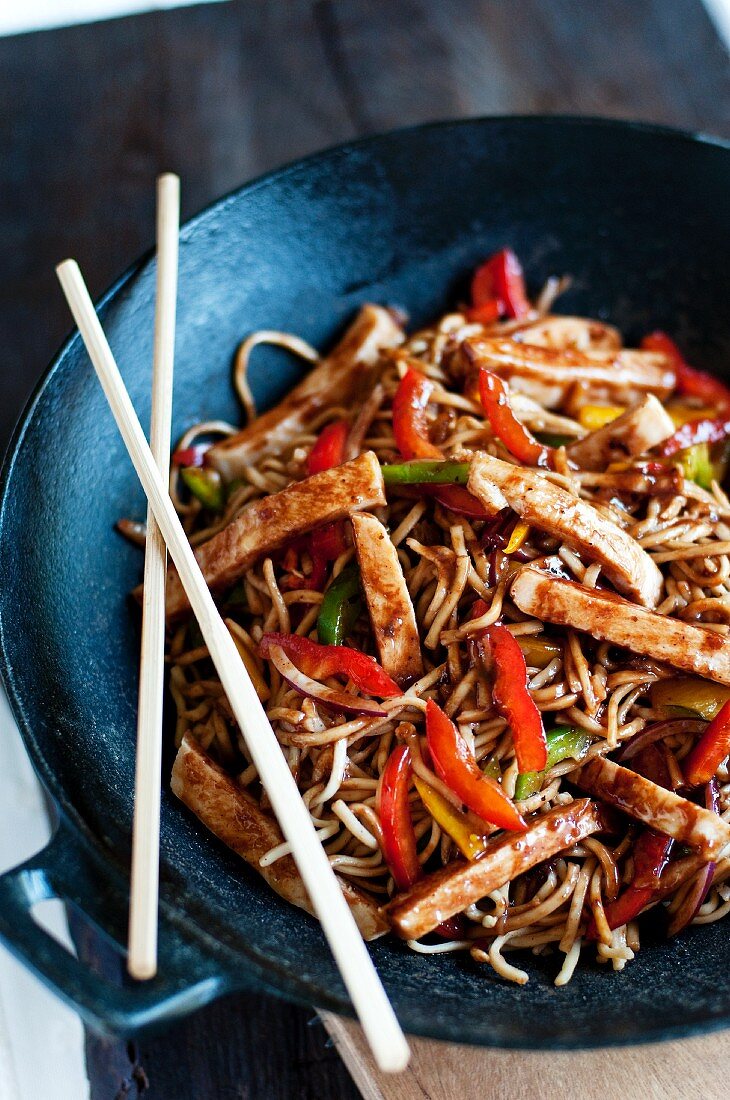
651 855
399 837
517 439
460 500
410 426
461 773
329 449
696 431
690 382
322 661
710 751
485 314
326 543
190 456
514 702
500 279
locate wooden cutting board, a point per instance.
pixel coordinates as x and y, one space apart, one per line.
681 1070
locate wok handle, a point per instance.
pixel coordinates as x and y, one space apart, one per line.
190 972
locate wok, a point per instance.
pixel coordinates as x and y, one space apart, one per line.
639 217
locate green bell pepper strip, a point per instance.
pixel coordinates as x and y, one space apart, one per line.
206 486
426 472
340 608
552 440
697 465
563 742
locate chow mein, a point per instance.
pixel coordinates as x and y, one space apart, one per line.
480 579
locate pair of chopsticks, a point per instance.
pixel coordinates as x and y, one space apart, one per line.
363 985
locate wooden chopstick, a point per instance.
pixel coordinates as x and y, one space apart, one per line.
369 999
144 887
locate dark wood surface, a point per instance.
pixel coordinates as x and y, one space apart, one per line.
89 115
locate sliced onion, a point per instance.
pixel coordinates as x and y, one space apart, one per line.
312 689
657 731
695 898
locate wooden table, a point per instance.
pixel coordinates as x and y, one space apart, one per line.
88 117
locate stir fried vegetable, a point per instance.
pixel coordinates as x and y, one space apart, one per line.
206 486
426 473
399 837
689 695
451 820
690 382
410 426
513 700
322 661
517 439
711 749
329 449
458 769
563 743
340 608
498 288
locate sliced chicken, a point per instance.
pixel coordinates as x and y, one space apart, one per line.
634 432
234 817
543 505
663 810
548 374
537 591
574 333
389 603
448 891
267 524
334 381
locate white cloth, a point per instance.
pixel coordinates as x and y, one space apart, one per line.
18 16
41 1040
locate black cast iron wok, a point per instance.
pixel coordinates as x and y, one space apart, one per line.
640 218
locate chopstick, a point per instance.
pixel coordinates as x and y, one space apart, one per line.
368 996
144 886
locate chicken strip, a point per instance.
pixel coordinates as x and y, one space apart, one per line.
334 381
548 374
543 505
448 891
268 523
557 330
657 807
637 430
389 603
234 817
608 618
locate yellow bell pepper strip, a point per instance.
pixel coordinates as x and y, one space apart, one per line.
518 536
593 417
685 414
538 650
689 696
206 486
563 743
712 748
451 820
460 772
